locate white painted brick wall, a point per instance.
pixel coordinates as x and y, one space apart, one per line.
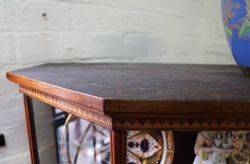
39 31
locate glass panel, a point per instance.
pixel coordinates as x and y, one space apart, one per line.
65 139
43 119
82 142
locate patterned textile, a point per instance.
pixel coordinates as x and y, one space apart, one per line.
228 147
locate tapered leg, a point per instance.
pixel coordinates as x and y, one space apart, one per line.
31 129
118 147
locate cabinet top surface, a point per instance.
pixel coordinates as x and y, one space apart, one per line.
145 81
143 96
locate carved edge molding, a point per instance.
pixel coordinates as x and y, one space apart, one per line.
179 122
183 123
80 111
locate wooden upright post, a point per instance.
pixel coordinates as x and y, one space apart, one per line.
118 147
31 129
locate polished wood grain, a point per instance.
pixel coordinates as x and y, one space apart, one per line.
144 96
124 97
77 110
31 129
118 147
157 84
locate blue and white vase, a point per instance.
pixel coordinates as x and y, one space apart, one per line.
236 19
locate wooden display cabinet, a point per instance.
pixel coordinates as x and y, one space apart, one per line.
136 97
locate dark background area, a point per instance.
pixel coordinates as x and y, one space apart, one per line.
184 147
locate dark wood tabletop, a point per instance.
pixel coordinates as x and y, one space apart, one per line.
143 89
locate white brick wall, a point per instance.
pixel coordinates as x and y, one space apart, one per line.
39 31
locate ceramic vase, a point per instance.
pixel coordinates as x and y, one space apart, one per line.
236 19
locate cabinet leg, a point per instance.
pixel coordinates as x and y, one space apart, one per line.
118 147
31 129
